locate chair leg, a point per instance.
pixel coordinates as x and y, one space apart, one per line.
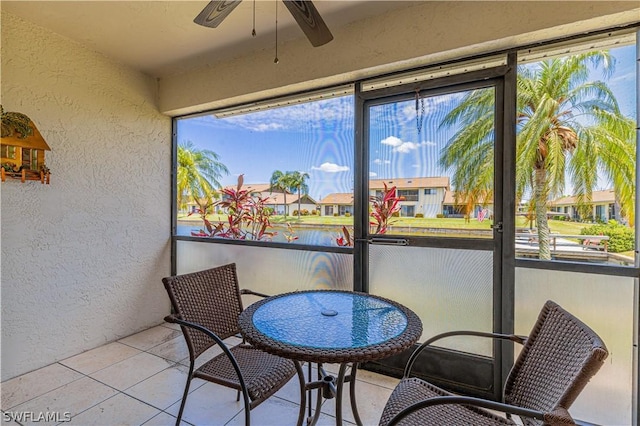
237 396
184 395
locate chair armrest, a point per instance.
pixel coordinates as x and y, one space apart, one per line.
254 293
423 346
559 416
477 402
175 319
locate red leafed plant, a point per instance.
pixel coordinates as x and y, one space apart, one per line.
383 207
290 234
344 240
248 217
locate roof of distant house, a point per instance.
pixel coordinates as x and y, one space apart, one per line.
338 198
256 187
404 183
597 197
278 198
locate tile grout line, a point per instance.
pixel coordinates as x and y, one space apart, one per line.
171 364
51 390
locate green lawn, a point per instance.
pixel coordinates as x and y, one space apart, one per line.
557 226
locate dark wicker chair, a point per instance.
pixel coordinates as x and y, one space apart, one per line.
558 358
207 304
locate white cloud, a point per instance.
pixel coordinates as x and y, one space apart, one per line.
372 174
379 161
406 147
403 147
392 141
265 127
416 166
409 112
305 116
431 105
330 168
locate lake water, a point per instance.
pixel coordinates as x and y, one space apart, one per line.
312 236
327 236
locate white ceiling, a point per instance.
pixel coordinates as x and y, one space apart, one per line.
160 38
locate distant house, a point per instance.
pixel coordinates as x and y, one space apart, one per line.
422 195
602 206
275 198
336 204
276 201
419 195
256 190
456 208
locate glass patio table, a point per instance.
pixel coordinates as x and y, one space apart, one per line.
330 326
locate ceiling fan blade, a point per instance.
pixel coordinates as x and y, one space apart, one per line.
310 21
215 12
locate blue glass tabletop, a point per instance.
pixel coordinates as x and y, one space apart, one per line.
329 320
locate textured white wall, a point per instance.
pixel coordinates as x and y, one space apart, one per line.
82 258
428 32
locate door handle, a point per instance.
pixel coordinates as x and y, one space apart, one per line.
385 241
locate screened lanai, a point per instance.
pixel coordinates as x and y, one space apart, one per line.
83 257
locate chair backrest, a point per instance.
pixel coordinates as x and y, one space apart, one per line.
210 298
557 360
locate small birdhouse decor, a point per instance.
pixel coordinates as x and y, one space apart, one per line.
22 149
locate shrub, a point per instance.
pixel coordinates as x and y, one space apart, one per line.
295 213
419 215
347 214
248 218
305 212
440 215
335 215
383 207
621 237
314 212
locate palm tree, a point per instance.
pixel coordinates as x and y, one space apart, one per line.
299 183
281 182
199 171
566 126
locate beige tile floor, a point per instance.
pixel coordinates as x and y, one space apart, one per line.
139 380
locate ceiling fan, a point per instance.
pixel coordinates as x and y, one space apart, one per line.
304 12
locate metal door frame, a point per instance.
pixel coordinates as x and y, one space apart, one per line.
503 79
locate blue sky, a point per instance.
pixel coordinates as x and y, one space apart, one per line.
317 137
